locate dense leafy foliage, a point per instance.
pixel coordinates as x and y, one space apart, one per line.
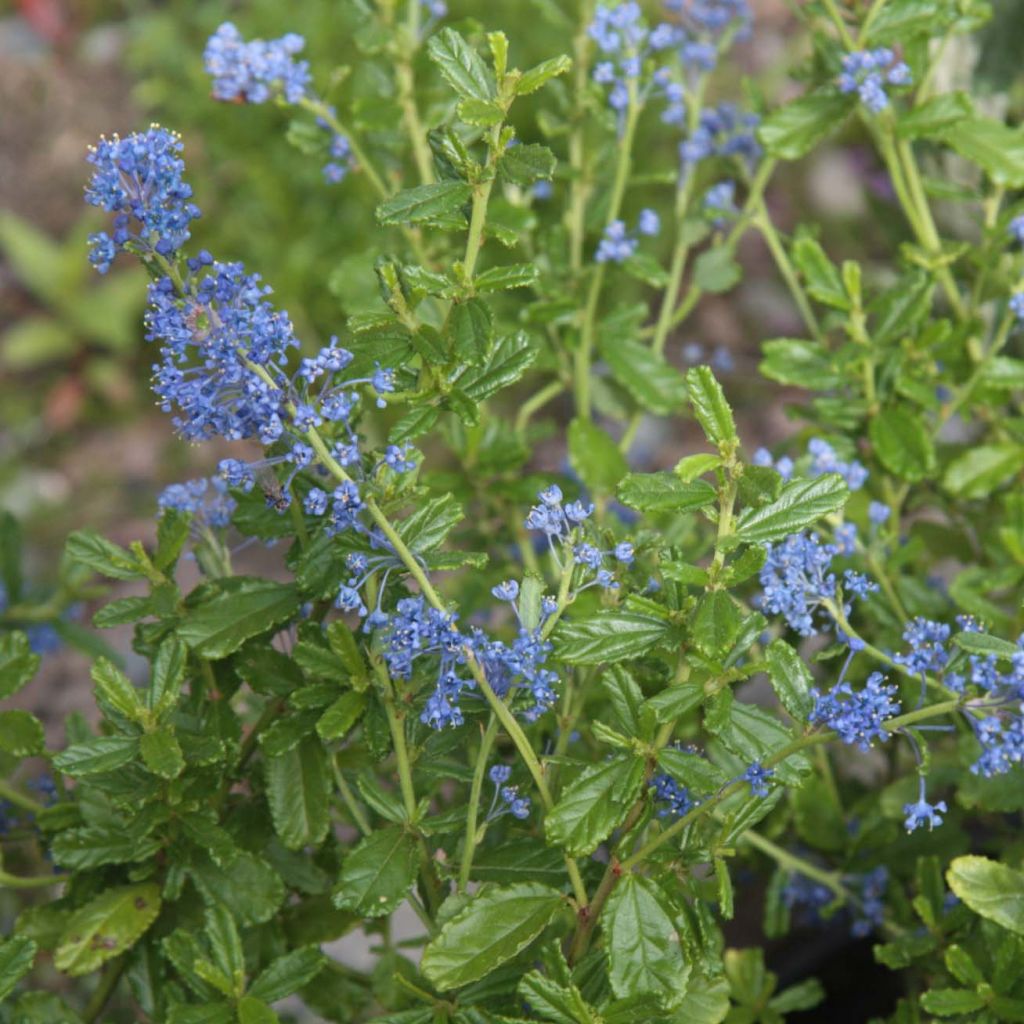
556 717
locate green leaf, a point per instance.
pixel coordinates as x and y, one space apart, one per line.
34 257
287 974
594 804
255 1011
242 607
692 770
655 384
341 716
226 947
533 78
607 637
755 735
460 65
95 845
517 860
903 444
690 467
716 624
103 556
903 20
428 526
16 956
716 270
665 492
482 113
425 203
801 504
101 754
161 753
526 163
17 663
298 791
934 116
470 327
378 874
509 275
994 891
21 733
996 148
983 644
247 886
168 676
824 282
791 679
172 533
951 1002
800 364
496 925
106 927
595 457
645 957
116 689
511 358
794 130
900 308
710 407
983 468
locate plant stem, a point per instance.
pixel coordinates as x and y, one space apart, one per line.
360 819
407 95
786 269
469 844
785 859
19 799
579 186
104 990
585 351
535 402
8 881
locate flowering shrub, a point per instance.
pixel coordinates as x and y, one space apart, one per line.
563 718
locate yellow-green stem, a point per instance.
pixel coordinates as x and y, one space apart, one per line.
470 840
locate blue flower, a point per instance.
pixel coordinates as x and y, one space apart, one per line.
615 245
858 717
923 813
253 72
648 223
719 202
796 579
676 798
499 774
927 641
867 72
758 777
507 591
139 180
825 460
207 501
878 512
1017 229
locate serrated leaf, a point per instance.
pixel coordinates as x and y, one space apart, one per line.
298 788
645 956
710 407
168 676
16 956
716 270
510 275
21 733
94 846
801 364
242 607
428 526
339 718
18 664
116 689
533 78
903 444
378 874
983 468
801 504
994 891
161 752
424 203
594 804
655 384
511 358
287 974
665 492
995 147
496 925
527 163
595 457
106 927
103 556
790 678
985 645
101 754
793 130
607 637
247 886
460 65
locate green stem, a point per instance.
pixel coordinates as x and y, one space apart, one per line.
407 95
535 402
351 803
585 351
579 186
469 844
830 879
105 989
9 881
837 20
321 110
764 224
19 799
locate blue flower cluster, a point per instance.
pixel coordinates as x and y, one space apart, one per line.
927 642
563 525
255 71
757 775
870 908
783 465
207 501
510 800
259 70
624 41
675 798
719 203
868 72
139 180
721 131
825 460
618 244
796 579
857 716
866 907
414 630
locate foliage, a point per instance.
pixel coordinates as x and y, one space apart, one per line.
556 716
